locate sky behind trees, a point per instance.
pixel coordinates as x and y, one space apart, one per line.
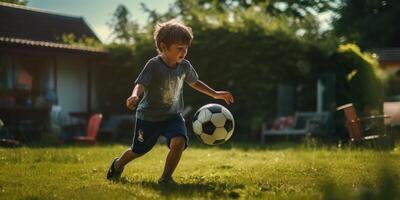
98 13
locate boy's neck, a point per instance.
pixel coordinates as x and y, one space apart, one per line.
169 63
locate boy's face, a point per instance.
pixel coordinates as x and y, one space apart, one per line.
176 52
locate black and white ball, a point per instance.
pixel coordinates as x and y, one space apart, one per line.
213 124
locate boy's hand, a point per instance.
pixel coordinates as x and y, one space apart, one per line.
131 102
224 95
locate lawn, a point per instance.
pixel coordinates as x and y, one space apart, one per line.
243 171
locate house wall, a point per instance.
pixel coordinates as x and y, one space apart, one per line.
27 78
72 83
391 66
94 88
66 73
387 64
392 90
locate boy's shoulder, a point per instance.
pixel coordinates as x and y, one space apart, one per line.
157 60
154 60
185 62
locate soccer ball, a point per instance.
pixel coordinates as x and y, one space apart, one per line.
213 124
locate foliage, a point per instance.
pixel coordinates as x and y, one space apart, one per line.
114 78
18 2
230 171
125 31
81 42
289 8
249 52
363 78
371 23
124 65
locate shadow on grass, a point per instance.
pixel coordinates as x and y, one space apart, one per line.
194 143
281 144
212 190
386 187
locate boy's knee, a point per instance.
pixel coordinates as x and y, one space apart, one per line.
136 153
177 143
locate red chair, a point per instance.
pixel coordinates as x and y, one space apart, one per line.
92 130
369 131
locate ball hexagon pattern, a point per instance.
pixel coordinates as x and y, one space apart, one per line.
213 124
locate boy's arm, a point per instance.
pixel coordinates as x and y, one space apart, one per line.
132 101
205 89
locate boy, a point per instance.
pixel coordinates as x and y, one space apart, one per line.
159 111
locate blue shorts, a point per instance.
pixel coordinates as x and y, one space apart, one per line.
147 133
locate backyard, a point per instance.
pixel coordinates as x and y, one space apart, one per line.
229 171
306 76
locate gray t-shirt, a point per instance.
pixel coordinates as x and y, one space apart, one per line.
163 94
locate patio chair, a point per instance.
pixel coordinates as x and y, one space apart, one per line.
6 138
92 130
305 123
367 131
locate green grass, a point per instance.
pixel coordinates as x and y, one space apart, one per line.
231 171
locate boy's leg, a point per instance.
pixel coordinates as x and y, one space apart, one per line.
144 138
177 145
125 158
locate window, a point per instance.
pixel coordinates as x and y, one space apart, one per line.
23 79
6 73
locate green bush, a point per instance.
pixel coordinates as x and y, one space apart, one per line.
360 73
249 57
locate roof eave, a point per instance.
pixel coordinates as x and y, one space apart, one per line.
387 54
34 43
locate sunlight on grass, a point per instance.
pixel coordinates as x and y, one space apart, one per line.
233 171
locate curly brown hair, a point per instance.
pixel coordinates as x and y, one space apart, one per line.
172 32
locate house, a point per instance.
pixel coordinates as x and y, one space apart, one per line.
389 61
37 67
389 58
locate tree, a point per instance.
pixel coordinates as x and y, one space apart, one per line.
294 8
19 2
83 41
124 30
369 23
